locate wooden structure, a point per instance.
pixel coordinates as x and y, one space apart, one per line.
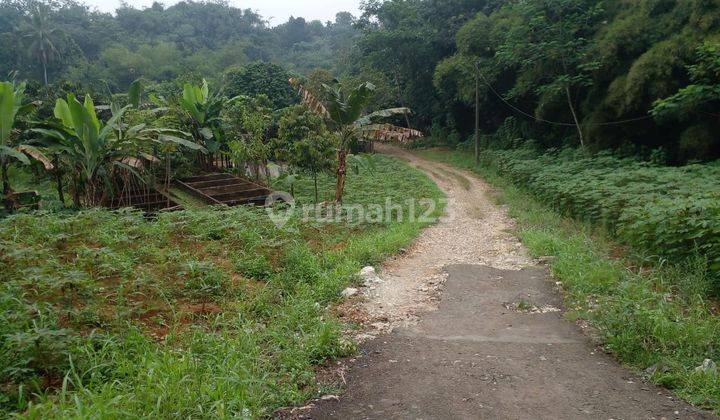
144 198
22 200
212 188
224 189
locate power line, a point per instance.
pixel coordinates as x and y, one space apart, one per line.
564 124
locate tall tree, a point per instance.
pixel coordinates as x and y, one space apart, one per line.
261 78
702 95
549 46
697 104
41 35
405 40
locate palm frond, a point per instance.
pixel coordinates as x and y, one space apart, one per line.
385 132
13 153
384 113
307 98
37 155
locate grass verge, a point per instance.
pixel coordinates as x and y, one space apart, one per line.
200 313
654 317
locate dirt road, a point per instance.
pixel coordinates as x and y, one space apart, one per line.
496 344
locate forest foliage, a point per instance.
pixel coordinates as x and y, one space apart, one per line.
77 44
636 75
611 61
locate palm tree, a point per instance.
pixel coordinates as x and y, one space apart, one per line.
343 112
41 33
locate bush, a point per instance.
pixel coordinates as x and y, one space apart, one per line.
663 212
203 280
261 79
697 143
256 267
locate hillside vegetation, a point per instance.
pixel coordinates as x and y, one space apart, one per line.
74 44
631 75
549 63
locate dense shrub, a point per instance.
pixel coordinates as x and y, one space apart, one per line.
663 212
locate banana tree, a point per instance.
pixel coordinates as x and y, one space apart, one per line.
167 141
95 150
11 107
203 112
344 114
170 143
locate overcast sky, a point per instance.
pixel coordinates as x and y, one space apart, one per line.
277 11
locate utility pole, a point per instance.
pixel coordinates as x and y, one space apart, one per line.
477 113
399 95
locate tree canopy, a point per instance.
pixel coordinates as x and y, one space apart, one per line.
71 42
616 59
609 75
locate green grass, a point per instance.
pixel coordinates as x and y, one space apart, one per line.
200 313
186 200
654 315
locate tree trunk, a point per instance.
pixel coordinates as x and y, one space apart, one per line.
89 193
76 193
4 176
341 170
167 178
400 101
266 173
575 118
477 117
58 180
44 60
5 184
316 189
